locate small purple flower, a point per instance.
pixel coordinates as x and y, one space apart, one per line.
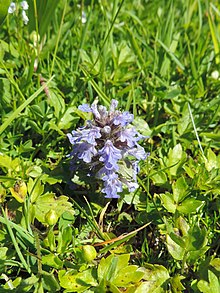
138 152
123 119
128 135
108 146
110 155
113 106
95 111
90 135
112 185
85 108
86 151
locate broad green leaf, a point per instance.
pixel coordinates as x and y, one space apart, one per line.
174 158
128 275
109 267
64 238
183 226
142 126
177 239
212 286
168 202
189 205
3 251
215 263
195 255
179 189
197 238
177 286
156 277
52 261
175 249
66 219
50 283
68 118
211 162
183 123
57 102
48 201
73 281
159 178
34 171
35 188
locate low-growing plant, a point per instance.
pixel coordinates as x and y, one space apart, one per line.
109 146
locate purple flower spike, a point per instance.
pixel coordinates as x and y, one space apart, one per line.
108 148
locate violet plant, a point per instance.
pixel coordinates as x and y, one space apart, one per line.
107 146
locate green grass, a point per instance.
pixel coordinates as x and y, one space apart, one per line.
158 59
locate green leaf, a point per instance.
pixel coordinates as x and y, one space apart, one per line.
35 188
215 263
158 178
175 156
183 226
212 286
175 249
197 238
179 189
177 286
127 275
48 201
195 255
211 162
168 202
189 205
156 277
73 281
67 118
4 4
178 239
52 261
49 282
3 251
109 267
142 126
57 102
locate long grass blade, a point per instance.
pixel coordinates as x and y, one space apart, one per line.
14 241
23 106
172 56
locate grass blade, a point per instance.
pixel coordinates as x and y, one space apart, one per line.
23 106
172 56
14 241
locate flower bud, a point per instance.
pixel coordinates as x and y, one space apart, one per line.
88 253
51 217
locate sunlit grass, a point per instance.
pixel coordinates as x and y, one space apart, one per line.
160 60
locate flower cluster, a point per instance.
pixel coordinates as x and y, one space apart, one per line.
108 145
24 7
